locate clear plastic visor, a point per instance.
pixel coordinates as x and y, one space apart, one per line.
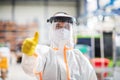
61 25
61 31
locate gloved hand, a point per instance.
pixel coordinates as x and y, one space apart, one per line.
30 44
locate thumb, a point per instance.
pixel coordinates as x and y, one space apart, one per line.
36 37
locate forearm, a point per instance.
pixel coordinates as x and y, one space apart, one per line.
28 64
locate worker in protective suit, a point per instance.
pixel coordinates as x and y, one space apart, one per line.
60 61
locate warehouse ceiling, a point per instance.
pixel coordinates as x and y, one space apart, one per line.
2 2
34 0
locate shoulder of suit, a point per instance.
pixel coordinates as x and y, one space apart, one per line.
42 49
83 59
77 52
80 55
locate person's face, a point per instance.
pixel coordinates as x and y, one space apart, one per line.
60 25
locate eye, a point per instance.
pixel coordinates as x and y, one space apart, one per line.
67 26
58 26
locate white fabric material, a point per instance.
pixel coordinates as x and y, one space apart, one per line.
61 37
27 64
62 34
51 64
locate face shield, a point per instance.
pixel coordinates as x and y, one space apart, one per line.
61 31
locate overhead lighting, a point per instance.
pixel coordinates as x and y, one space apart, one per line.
90 0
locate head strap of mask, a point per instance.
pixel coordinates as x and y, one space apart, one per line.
62 17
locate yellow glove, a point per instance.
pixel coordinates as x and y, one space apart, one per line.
30 44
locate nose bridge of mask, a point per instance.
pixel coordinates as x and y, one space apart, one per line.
62 33
63 30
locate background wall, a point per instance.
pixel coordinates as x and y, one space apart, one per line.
5 12
25 12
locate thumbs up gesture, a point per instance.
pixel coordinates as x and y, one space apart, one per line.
30 44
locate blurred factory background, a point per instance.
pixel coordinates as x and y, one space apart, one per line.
97 33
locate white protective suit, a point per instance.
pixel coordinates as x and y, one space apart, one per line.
59 61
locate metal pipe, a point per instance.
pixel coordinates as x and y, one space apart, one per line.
13 10
77 8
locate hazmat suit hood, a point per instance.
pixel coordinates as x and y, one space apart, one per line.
61 30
